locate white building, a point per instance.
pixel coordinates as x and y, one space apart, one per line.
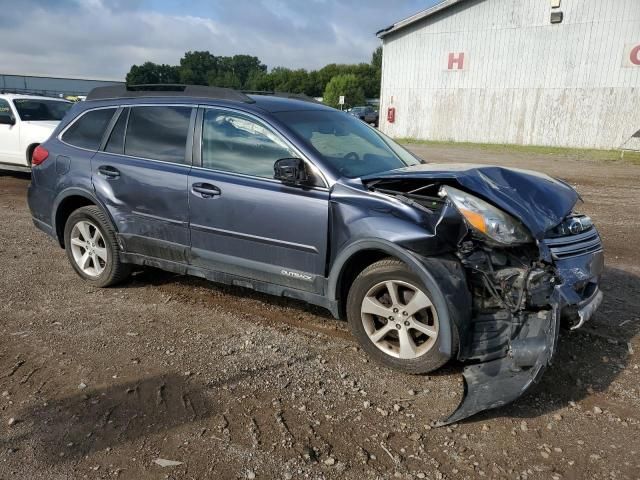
533 72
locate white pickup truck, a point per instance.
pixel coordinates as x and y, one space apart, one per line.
25 122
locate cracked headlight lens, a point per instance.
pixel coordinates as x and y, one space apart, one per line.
486 219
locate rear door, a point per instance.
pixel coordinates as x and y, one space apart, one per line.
141 174
243 221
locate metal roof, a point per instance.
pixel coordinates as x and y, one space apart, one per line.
417 17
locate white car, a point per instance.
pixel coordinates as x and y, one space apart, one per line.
25 122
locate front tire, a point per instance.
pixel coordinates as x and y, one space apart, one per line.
92 248
394 318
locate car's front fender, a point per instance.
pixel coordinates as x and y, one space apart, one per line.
443 277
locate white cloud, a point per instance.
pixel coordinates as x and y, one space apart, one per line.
102 39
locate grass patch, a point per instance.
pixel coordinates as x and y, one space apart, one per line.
590 154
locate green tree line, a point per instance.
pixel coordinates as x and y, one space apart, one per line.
246 72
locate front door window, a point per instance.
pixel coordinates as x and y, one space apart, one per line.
232 142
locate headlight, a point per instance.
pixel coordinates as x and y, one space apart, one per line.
486 219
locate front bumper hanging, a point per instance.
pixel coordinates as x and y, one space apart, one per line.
498 381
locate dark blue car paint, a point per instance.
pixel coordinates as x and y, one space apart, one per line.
148 202
298 241
286 228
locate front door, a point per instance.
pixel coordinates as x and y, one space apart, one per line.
244 222
10 136
141 176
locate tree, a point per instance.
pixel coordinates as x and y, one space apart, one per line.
247 72
197 67
259 82
243 66
376 58
376 79
149 73
225 80
348 85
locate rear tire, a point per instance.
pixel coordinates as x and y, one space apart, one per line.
403 333
92 248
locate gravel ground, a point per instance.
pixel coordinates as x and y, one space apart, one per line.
233 384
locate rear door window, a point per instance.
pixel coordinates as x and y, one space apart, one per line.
87 131
158 133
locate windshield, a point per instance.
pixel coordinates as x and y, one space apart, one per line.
34 110
350 146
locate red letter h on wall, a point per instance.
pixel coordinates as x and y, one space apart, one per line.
456 60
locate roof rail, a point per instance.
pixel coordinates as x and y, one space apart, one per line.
293 96
166 90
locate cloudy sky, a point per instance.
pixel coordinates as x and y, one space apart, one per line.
103 38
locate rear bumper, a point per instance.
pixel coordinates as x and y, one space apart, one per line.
39 200
44 227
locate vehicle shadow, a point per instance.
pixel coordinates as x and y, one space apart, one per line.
15 174
95 419
587 360
305 313
151 276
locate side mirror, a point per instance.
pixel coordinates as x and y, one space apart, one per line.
290 170
7 120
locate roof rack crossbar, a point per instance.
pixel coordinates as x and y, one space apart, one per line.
167 90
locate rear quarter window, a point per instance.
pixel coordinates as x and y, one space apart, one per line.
87 131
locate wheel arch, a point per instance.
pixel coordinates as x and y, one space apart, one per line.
69 201
429 270
29 152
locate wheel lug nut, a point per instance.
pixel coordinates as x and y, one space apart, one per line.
398 326
395 310
391 319
405 314
407 324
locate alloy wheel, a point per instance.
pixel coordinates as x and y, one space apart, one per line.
88 248
400 319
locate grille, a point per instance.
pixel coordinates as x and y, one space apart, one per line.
574 245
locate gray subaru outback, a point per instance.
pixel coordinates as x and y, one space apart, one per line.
427 262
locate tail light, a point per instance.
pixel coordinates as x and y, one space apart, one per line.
39 155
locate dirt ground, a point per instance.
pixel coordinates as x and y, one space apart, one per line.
233 384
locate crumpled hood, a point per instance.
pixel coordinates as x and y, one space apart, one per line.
538 200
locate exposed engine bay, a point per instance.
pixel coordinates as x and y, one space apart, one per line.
519 293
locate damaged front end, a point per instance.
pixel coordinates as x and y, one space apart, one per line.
520 297
527 273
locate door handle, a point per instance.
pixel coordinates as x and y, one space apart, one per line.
206 190
108 171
